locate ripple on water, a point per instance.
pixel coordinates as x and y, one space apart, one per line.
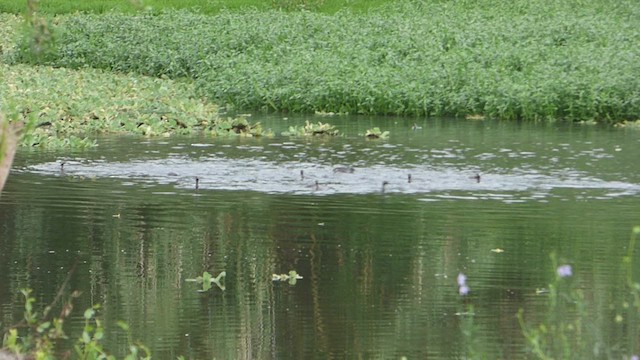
219 172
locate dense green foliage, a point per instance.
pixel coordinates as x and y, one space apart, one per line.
62 106
514 60
207 7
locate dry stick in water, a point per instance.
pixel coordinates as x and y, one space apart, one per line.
8 143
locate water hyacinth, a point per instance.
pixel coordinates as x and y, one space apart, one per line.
538 60
564 271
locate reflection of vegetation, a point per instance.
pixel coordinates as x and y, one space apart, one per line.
311 129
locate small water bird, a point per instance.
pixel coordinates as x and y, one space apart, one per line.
415 127
344 169
62 168
197 183
384 186
476 177
301 174
409 178
315 186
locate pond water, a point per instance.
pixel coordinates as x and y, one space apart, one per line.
379 267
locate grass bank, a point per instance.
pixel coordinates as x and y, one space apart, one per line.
527 60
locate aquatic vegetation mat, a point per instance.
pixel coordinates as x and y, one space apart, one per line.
513 60
67 105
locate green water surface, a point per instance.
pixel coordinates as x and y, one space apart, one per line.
379 269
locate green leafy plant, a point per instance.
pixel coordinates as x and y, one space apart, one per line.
206 280
237 126
550 69
37 335
40 332
564 333
297 4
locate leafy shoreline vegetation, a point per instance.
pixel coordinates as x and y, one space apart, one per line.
55 7
506 60
570 61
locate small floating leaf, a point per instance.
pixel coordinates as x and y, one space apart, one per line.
206 280
292 277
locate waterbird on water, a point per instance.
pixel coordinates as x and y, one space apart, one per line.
197 183
476 177
315 186
301 174
409 178
344 169
384 186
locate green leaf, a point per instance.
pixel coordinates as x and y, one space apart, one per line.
89 313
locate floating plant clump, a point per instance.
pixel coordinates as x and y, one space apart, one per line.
206 280
311 129
292 277
376 133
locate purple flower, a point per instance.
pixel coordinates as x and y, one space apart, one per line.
462 279
464 290
564 271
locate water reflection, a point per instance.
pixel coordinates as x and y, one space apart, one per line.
379 270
